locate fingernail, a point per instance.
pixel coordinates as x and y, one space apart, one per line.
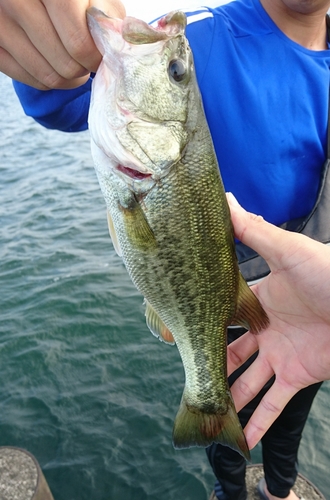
232 200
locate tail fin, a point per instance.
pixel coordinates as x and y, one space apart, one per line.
192 427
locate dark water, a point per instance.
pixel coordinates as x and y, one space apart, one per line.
84 386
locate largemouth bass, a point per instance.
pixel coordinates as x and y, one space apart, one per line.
168 214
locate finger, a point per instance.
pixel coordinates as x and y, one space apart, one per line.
70 25
254 231
42 34
240 351
69 19
249 384
23 59
270 407
11 68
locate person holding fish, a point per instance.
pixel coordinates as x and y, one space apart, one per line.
263 72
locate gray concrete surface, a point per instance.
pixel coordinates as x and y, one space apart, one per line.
21 477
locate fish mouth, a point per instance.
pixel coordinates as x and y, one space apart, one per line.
132 173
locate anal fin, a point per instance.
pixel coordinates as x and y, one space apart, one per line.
249 313
157 326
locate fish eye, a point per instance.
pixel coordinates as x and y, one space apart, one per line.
177 70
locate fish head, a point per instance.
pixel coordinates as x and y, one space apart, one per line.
138 116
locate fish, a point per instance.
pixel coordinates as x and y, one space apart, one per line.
168 215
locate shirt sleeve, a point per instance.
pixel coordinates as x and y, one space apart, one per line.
65 110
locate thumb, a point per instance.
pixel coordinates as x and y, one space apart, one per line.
252 230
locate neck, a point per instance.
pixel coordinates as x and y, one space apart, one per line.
303 24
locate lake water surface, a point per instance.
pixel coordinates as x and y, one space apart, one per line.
84 386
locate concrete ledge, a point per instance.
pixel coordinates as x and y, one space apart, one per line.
21 477
302 488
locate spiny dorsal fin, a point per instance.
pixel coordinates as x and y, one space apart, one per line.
113 235
157 326
249 313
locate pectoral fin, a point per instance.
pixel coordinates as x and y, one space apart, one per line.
157 326
249 313
137 227
113 235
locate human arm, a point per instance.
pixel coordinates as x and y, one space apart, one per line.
47 44
296 296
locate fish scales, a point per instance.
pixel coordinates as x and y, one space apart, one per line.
168 215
